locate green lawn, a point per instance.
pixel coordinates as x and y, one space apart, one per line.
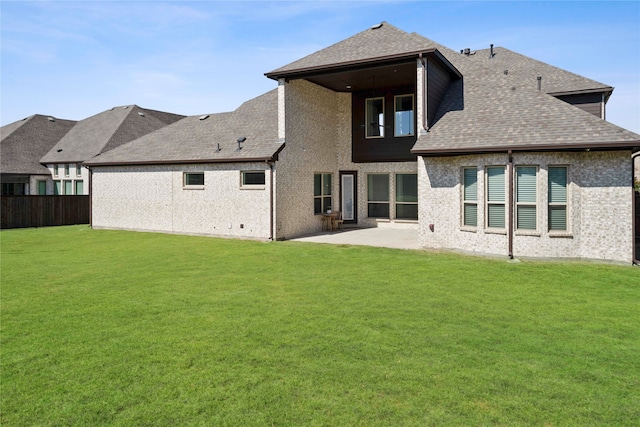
132 329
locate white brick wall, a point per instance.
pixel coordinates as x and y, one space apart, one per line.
599 211
153 198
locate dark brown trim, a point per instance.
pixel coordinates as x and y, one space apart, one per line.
271 208
635 255
192 161
602 146
360 64
90 197
607 89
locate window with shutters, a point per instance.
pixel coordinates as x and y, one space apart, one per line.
526 198
470 197
495 197
557 188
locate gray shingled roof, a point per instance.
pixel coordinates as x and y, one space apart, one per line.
368 45
554 79
192 140
24 142
505 113
105 131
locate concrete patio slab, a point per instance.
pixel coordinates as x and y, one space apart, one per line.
381 237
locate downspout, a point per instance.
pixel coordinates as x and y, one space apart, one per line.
90 196
510 219
271 207
634 231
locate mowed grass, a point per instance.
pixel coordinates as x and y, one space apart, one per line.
122 328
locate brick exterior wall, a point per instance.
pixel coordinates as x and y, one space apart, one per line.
153 198
599 207
318 140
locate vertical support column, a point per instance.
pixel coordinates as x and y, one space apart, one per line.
281 111
421 95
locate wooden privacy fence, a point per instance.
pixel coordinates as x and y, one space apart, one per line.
43 211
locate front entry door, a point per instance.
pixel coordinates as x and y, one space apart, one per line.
348 197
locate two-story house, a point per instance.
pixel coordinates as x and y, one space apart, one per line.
486 151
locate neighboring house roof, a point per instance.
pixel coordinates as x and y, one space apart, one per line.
24 142
105 131
207 138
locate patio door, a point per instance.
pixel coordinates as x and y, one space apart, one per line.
348 196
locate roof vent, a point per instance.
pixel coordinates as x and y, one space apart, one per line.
125 107
491 55
240 141
467 51
539 82
59 150
140 113
51 119
204 117
375 27
506 72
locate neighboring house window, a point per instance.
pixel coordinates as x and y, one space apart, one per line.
322 185
470 197
526 198
57 187
55 170
79 187
378 195
193 179
66 169
407 196
403 115
557 198
42 188
374 115
68 187
495 197
78 169
252 178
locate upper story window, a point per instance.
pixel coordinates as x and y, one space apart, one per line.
66 169
78 169
55 170
374 115
403 116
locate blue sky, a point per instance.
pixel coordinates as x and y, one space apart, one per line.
75 59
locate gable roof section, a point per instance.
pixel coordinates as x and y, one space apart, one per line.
105 131
480 115
382 42
24 142
555 81
195 139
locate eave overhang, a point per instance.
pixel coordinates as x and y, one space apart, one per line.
347 66
271 158
622 145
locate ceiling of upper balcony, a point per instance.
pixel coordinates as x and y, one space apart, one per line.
354 80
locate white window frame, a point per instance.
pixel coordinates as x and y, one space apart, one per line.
468 202
551 204
395 115
186 186
488 203
245 186
66 169
78 169
56 170
519 203
380 116
75 186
